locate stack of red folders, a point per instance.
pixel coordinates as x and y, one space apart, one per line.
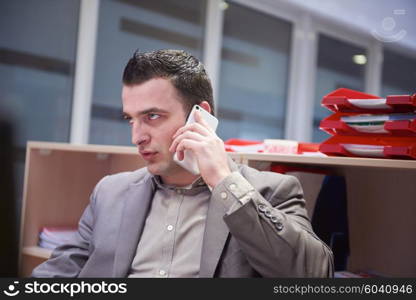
364 125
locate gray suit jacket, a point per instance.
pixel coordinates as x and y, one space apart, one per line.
270 236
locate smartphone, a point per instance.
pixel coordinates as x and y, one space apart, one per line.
189 161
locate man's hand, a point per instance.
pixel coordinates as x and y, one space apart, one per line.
206 146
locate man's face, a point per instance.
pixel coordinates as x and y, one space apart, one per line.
155 113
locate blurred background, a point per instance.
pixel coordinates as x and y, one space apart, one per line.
270 61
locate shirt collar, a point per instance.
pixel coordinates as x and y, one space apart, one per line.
157 181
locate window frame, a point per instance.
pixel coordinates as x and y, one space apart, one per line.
302 66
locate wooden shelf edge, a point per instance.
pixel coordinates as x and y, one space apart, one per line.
84 148
332 161
37 252
336 161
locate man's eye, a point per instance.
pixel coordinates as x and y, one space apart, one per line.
153 116
128 119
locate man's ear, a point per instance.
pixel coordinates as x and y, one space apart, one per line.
205 105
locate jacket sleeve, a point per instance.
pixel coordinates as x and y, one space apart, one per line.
67 260
273 230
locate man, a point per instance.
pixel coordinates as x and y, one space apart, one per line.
162 221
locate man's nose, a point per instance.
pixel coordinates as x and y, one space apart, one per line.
139 135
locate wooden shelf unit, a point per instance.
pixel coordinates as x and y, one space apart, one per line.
380 193
59 179
381 203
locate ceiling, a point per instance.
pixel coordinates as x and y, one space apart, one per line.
389 21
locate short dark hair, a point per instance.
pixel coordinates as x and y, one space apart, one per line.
186 73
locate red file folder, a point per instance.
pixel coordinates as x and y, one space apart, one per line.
335 124
346 100
369 146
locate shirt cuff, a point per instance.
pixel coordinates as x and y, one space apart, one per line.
236 188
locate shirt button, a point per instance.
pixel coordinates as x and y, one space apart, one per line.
162 272
268 213
232 187
279 226
223 195
274 219
170 227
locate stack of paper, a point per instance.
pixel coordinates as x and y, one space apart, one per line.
51 237
242 145
371 123
280 146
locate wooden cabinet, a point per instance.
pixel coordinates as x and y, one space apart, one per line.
381 204
381 195
59 179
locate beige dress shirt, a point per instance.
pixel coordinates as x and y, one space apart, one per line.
171 242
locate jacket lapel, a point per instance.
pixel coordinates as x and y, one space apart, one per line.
136 207
216 234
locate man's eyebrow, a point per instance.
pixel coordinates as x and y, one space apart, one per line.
146 111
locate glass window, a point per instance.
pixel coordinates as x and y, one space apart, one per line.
127 25
37 60
340 65
254 74
399 74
